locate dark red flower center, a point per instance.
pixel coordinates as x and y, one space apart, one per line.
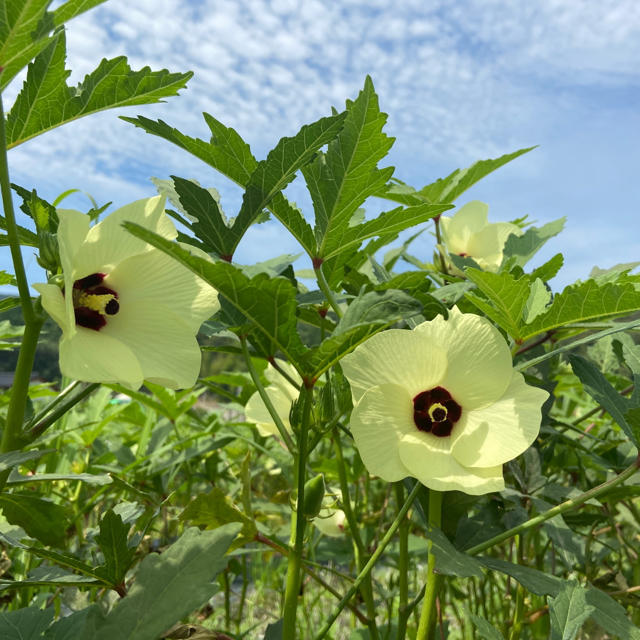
92 301
435 411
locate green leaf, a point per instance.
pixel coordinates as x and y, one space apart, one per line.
211 227
601 390
449 560
9 302
343 178
40 211
113 543
13 458
28 623
568 611
170 585
485 630
333 349
214 509
268 304
81 624
89 478
508 295
610 615
536 303
390 222
455 184
229 154
533 580
41 519
7 278
26 237
46 101
387 307
272 175
24 29
274 630
584 302
520 249
549 269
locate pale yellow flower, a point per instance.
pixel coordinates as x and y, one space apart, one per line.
128 312
281 393
469 234
441 403
331 522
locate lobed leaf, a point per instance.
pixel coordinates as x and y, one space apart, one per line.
112 540
46 101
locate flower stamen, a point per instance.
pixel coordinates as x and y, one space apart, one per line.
92 301
435 411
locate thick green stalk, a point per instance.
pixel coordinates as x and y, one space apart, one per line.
428 614
367 585
370 564
569 505
12 433
403 569
292 589
443 264
282 430
324 287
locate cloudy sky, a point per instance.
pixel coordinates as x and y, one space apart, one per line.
461 81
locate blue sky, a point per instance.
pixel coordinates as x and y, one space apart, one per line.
461 81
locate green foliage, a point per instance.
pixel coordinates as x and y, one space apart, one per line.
46 101
113 543
24 624
568 611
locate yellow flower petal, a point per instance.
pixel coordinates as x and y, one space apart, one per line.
162 341
478 359
395 357
93 356
331 522
428 458
154 277
108 243
383 416
54 304
281 396
500 432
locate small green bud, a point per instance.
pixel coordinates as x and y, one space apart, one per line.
49 257
313 496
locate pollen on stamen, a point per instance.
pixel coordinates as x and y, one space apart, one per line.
89 281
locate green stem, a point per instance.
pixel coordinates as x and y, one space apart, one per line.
54 403
40 427
370 564
292 590
284 433
569 505
516 627
324 287
427 617
360 551
28 312
443 264
403 569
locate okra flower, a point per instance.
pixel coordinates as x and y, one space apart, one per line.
469 234
441 403
331 522
128 312
281 393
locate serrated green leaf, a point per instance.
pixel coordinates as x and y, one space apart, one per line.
333 349
507 295
455 184
229 154
46 101
387 223
41 519
24 29
601 390
40 211
26 237
112 540
187 568
549 269
213 509
536 303
343 178
7 278
211 227
386 307
268 304
568 611
272 175
28 623
522 248
584 302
